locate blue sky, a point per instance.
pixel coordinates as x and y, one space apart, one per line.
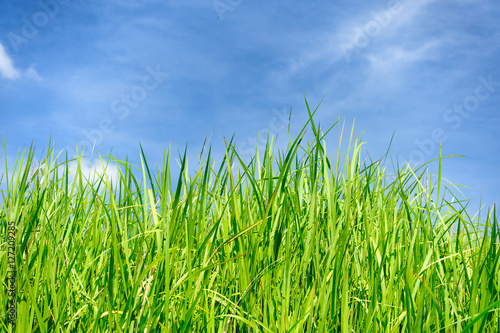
168 73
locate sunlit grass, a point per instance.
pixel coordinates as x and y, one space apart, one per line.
295 241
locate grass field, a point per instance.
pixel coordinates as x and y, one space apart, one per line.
295 241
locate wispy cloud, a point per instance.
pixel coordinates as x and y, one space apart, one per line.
355 35
32 74
9 71
391 58
7 68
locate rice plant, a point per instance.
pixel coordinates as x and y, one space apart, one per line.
292 241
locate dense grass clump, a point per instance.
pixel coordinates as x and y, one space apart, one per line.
292 242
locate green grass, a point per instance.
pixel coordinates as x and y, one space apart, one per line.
294 242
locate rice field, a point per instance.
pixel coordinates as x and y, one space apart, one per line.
292 241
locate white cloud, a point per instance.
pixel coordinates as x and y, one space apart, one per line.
6 67
8 71
93 172
393 57
354 37
32 74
